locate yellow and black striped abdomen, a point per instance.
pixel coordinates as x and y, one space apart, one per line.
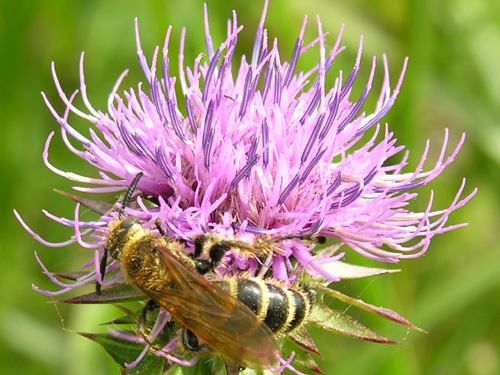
281 308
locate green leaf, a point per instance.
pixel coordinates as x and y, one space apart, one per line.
249 371
300 357
305 360
101 208
351 271
71 275
130 316
204 366
381 311
336 321
126 319
301 337
113 294
124 352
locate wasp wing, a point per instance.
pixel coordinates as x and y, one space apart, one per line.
220 320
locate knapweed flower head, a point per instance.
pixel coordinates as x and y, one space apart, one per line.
254 149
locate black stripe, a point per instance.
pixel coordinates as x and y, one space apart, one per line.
250 293
301 307
278 309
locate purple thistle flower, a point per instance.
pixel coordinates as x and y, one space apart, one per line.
271 151
254 150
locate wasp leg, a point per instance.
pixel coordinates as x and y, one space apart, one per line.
102 270
143 318
159 227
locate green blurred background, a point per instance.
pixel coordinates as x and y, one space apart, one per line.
452 81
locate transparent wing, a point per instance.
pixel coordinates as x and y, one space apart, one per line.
221 321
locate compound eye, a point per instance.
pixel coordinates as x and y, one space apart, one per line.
190 340
192 344
129 223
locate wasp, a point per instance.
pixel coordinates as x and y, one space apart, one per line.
239 319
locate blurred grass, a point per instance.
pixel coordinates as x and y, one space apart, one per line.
452 81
